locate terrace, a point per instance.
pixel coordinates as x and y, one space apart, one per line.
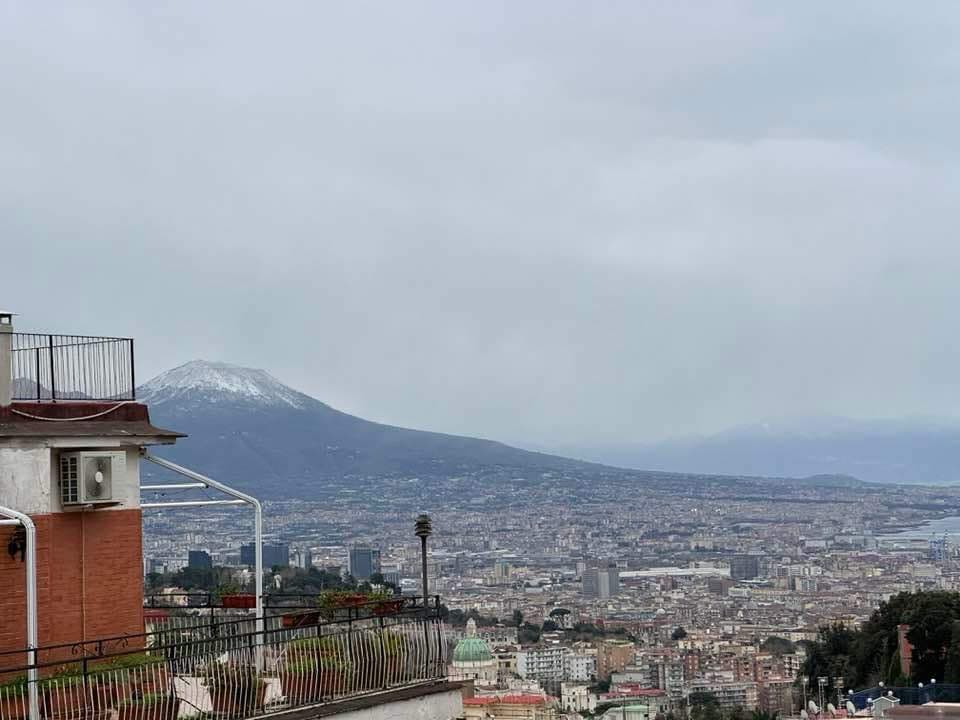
220 664
51 368
72 438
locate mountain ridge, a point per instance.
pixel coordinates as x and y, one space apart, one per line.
891 451
245 424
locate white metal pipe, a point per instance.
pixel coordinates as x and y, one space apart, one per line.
31 562
191 503
258 534
174 486
6 359
10 522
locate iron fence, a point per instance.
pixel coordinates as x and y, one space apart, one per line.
72 367
232 670
908 695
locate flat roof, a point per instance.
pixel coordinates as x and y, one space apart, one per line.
80 419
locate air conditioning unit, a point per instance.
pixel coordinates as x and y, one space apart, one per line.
86 478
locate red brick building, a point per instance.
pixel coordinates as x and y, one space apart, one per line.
73 467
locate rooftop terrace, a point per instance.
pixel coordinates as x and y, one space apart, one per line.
226 667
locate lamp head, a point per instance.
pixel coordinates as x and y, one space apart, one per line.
423 527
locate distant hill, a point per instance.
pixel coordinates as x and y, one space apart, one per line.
248 428
910 452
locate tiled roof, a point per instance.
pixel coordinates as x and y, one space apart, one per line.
506 700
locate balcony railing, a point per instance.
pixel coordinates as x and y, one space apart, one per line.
231 669
72 367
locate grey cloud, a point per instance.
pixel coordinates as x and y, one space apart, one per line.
540 222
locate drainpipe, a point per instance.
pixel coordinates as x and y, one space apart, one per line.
6 359
31 563
258 530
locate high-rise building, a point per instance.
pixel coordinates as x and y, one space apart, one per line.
302 559
199 559
744 567
601 583
938 549
364 561
273 554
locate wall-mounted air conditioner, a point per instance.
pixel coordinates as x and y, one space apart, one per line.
86 478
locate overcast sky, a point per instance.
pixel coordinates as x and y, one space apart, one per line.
540 222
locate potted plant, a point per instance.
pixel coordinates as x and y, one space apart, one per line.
299 620
334 676
235 690
300 679
239 601
66 694
13 699
134 674
152 706
313 669
393 648
342 604
388 606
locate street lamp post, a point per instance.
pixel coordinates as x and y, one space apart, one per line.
424 529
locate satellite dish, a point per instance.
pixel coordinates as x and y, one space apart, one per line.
803 715
812 707
851 708
831 709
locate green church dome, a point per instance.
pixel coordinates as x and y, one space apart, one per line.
471 649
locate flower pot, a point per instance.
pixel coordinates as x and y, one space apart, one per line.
238 700
301 687
63 700
152 680
165 709
393 669
388 607
333 682
241 601
301 620
13 703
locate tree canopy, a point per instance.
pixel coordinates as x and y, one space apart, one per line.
869 655
777 646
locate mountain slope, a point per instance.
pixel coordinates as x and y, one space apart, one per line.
248 428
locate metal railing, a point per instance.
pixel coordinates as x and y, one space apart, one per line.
72 367
909 695
230 670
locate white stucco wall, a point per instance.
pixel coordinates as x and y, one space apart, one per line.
25 479
438 706
29 474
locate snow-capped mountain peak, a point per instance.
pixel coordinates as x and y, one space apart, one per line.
219 382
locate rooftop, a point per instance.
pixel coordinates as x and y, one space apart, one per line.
81 419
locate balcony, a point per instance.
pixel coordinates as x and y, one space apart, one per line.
222 665
48 367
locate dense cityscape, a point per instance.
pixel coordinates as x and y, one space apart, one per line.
653 589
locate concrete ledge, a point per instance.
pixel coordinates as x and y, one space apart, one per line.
365 706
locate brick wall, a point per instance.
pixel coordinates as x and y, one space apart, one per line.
89 579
